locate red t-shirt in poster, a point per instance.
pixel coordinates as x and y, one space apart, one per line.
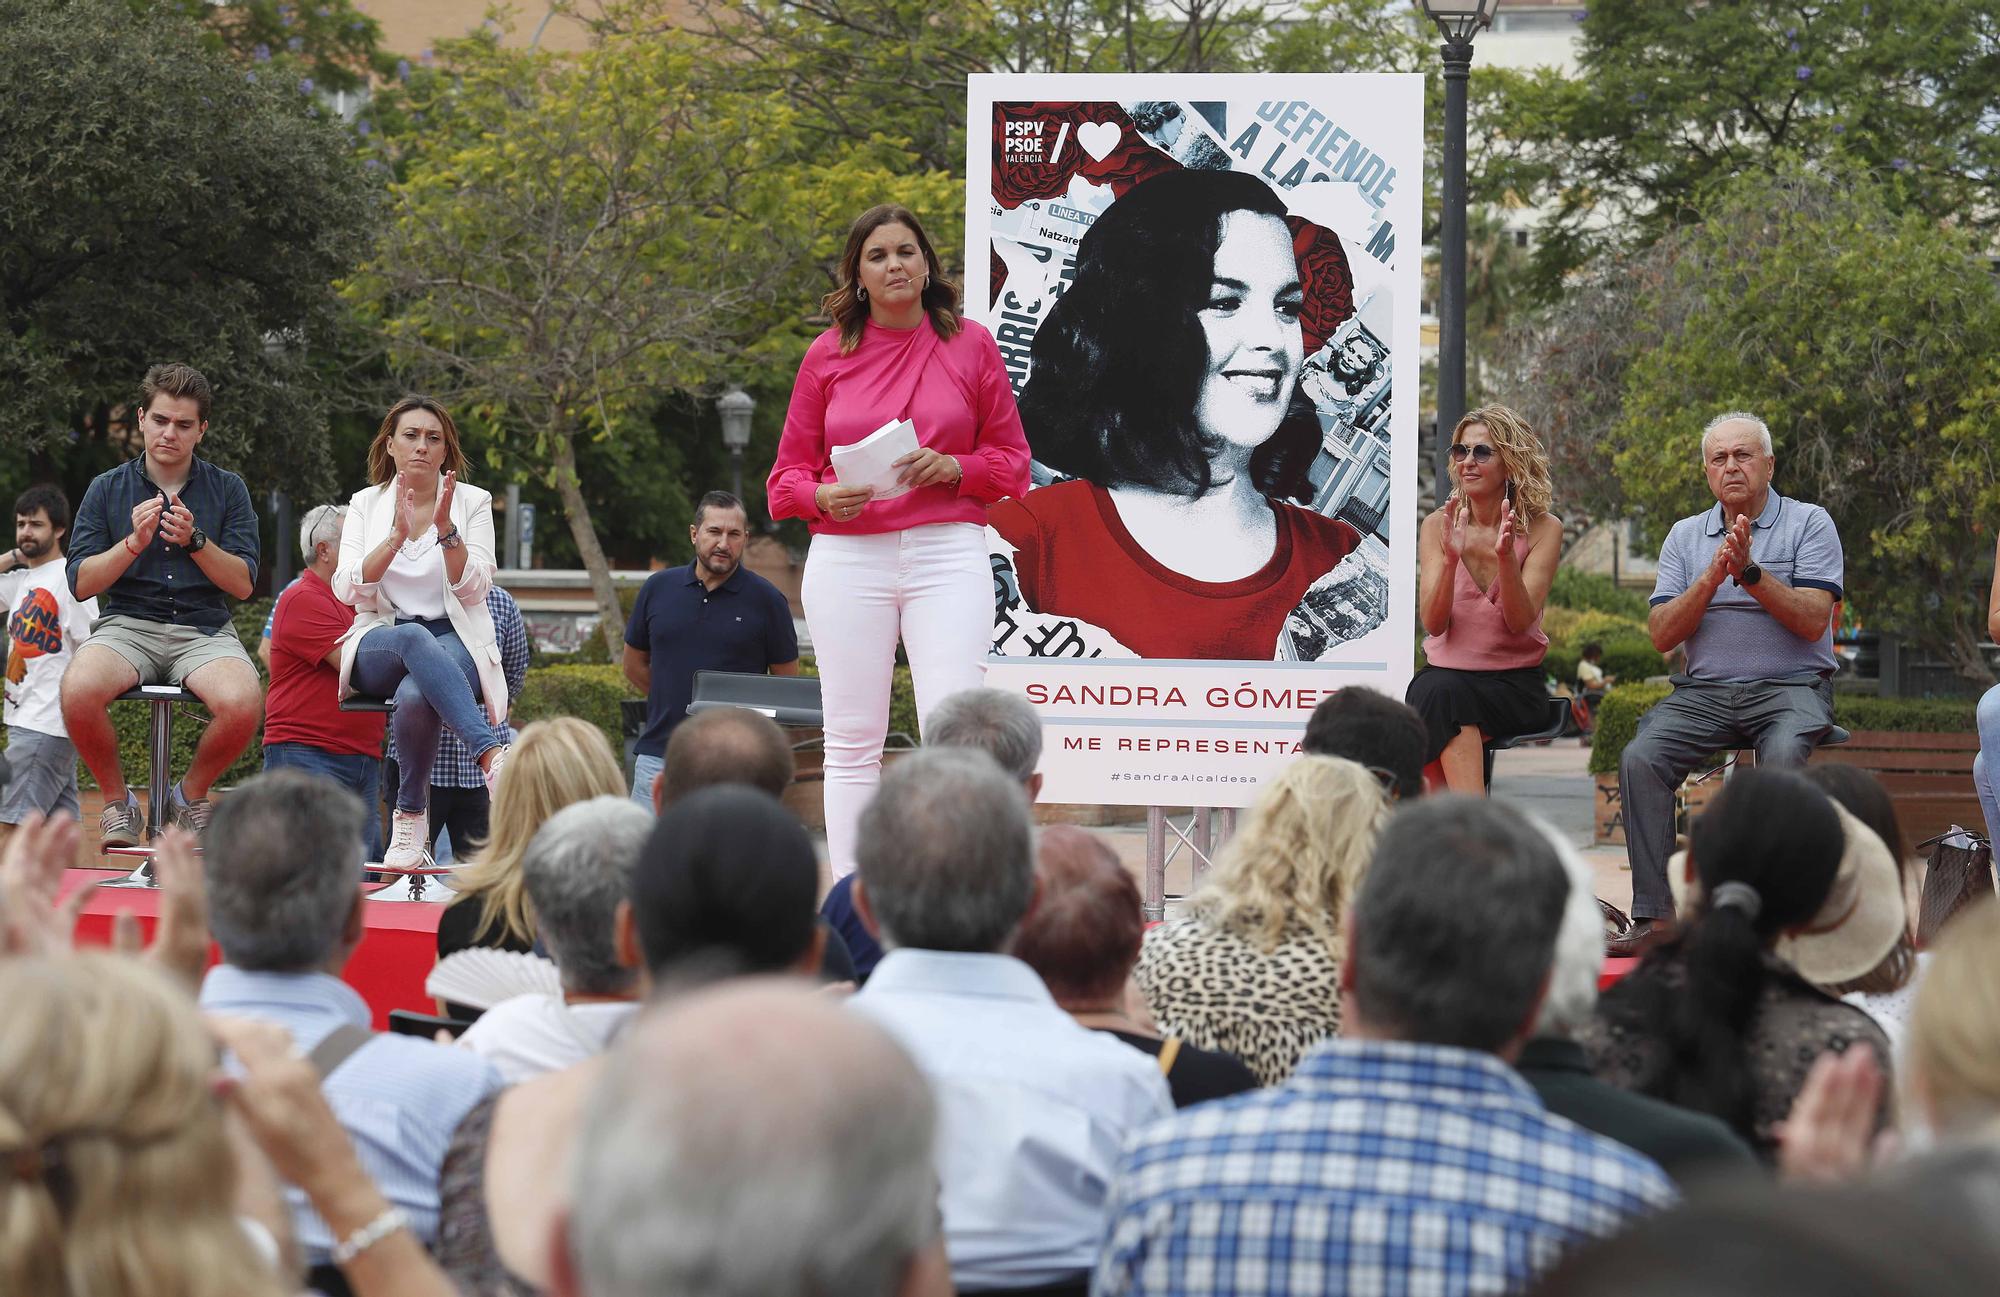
303 705
1074 558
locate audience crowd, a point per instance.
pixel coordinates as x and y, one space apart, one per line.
1368 1054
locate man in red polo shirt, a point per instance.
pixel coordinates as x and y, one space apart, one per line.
304 727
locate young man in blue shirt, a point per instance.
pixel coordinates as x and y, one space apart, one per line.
165 541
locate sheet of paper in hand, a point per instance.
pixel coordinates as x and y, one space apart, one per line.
872 460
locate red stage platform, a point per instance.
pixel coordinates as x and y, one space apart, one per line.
389 967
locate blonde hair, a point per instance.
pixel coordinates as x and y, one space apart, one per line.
116 1176
1521 454
555 763
1953 1046
1301 856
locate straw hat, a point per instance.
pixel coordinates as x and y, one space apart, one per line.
1862 919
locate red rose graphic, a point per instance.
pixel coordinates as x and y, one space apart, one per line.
1327 280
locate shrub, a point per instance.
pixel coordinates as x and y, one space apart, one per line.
1629 654
1618 721
1594 592
589 692
902 697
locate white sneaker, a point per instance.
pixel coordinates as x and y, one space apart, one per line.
493 771
409 841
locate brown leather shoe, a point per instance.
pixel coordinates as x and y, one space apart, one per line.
1640 937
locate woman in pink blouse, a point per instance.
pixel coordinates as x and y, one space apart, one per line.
912 567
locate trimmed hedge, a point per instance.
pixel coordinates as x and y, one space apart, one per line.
1594 592
1629 654
591 693
1618 718
902 697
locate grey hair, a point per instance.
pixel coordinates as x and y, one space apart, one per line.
1455 926
320 523
576 869
1737 416
722 1150
946 852
282 861
1579 950
1000 724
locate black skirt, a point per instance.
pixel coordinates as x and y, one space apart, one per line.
1501 703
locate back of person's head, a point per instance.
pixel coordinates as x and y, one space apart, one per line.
577 868
1374 730
728 879
1084 933
554 763
725 745
1454 929
1953 1048
282 860
1002 725
753 1140
1752 1240
1300 856
1766 852
946 852
1862 795
1592 651
1579 951
120 1178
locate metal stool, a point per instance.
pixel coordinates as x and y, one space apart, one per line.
429 868
161 780
1556 723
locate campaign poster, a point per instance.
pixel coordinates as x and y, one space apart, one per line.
1205 291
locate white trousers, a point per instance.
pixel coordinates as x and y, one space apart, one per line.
931 587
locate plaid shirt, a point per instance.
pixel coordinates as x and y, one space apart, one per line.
1379 1167
455 767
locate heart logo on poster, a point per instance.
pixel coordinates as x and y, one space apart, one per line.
1099 138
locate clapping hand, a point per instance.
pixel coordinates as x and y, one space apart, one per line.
409 519
146 521
32 921
1829 1135
1505 543
441 516
1457 522
177 522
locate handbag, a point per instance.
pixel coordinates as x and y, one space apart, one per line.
1958 871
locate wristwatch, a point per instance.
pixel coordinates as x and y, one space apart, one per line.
1752 574
197 541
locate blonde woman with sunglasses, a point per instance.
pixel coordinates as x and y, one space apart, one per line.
1487 558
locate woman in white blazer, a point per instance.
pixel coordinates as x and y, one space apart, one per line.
416 561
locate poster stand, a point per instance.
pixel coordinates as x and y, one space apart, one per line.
1206 831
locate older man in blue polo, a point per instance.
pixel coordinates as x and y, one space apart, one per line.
1748 587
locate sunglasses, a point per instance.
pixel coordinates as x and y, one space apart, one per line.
1477 454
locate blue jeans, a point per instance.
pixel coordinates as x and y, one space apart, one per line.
424 667
644 770
359 775
1984 768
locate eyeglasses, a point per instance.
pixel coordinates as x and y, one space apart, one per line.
1477 454
1390 781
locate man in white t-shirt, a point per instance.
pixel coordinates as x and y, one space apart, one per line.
45 623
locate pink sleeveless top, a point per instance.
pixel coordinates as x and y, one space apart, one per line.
1478 638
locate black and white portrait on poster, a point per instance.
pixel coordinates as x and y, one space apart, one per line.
1196 285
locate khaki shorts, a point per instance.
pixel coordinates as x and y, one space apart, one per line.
164 653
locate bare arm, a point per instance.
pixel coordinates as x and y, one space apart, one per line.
1801 610
230 574
1993 600
638 665
790 668
1438 571
1524 585
101 571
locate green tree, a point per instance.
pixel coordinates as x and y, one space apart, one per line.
573 239
163 203
1869 339
1667 98
329 41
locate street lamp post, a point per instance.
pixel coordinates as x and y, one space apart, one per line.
1458 21
736 407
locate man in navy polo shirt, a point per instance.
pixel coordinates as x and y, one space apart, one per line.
167 540
1749 587
711 615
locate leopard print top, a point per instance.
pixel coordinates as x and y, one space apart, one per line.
1218 990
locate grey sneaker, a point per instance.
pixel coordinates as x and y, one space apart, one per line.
120 823
192 816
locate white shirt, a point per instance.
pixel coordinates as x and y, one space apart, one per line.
1032 1111
45 623
533 1035
414 581
1891 1009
